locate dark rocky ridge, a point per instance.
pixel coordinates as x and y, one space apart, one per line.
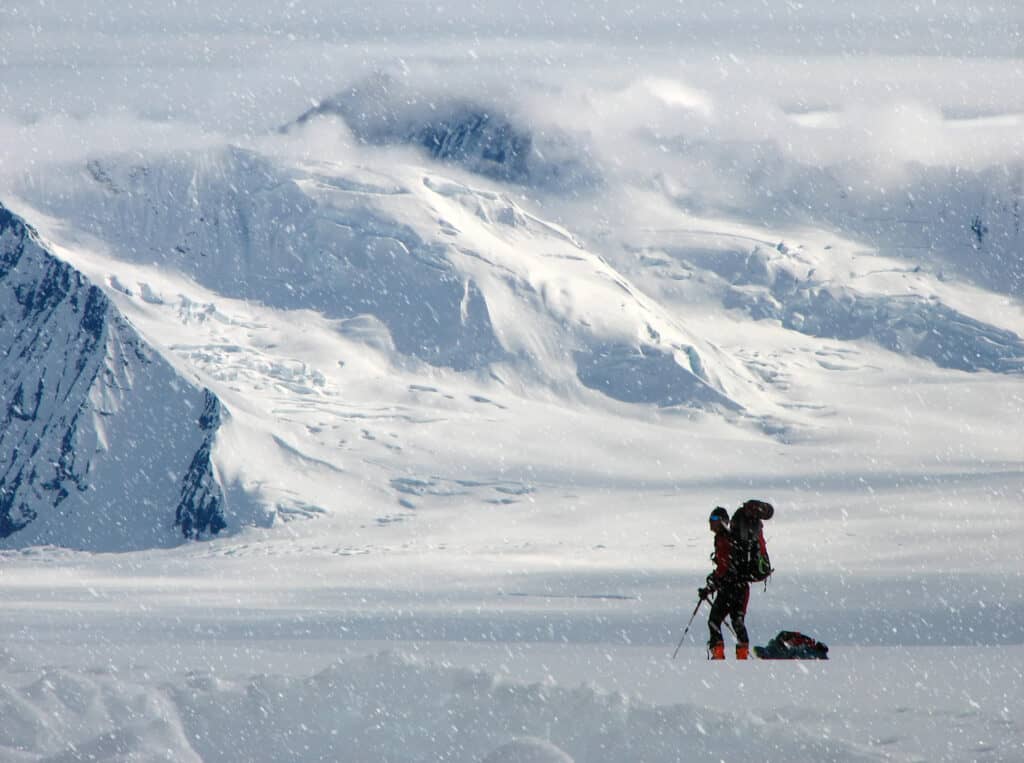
482 138
91 416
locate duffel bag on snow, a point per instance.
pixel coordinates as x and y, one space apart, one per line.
791 645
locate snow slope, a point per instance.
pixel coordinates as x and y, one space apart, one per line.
503 301
343 241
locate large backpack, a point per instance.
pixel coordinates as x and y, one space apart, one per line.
792 645
747 561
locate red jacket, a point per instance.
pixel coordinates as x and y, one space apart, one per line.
723 549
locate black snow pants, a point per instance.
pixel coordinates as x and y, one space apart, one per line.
731 601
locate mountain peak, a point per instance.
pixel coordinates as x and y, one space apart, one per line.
484 138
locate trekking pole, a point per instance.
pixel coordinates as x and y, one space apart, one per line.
687 630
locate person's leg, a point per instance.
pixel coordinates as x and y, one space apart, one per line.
719 610
738 614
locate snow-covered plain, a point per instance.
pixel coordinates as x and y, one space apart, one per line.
498 306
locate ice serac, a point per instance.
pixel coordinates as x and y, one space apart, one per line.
646 374
98 430
904 323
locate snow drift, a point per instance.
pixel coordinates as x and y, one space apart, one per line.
386 707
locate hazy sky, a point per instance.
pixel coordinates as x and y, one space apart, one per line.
186 57
935 26
931 82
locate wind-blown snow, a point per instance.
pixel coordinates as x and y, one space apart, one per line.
461 319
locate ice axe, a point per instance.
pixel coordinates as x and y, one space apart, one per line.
687 630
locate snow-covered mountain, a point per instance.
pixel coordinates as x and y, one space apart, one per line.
420 270
104 445
414 273
460 277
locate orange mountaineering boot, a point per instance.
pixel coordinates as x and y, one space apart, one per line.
717 651
742 651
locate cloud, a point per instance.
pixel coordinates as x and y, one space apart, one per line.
62 139
706 117
676 94
327 139
873 117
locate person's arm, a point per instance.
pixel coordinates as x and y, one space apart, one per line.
723 549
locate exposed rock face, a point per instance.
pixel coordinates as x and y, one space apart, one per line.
98 430
201 510
480 137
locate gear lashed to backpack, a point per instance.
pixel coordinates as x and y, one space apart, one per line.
748 561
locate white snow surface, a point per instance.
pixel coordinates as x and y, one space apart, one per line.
475 417
236 652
